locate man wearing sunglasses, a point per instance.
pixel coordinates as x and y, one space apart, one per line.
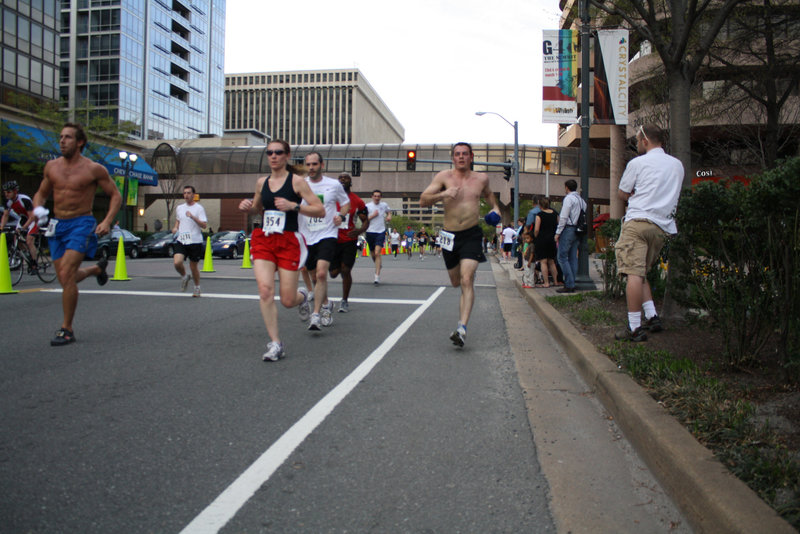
651 185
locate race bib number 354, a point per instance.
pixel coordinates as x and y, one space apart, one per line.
273 222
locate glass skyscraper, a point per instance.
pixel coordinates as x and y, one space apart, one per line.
158 64
29 42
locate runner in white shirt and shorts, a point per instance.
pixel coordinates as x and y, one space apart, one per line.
321 234
190 221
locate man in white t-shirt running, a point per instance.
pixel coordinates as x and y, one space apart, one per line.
378 214
190 221
651 185
321 234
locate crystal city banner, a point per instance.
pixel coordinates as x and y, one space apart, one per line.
560 77
611 77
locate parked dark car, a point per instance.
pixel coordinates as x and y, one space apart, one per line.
228 244
159 244
108 244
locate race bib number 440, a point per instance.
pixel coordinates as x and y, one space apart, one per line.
273 222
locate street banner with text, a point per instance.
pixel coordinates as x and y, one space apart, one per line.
560 77
611 77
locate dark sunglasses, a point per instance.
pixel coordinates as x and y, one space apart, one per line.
275 152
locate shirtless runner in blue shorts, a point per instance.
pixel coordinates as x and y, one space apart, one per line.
72 179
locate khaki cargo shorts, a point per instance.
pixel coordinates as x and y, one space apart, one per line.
640 243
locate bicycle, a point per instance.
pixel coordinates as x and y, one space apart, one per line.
20 260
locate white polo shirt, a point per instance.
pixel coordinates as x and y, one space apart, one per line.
656 179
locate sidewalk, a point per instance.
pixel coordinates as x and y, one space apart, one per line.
710 497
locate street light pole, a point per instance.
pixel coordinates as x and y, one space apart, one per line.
515 163
582 278
128 161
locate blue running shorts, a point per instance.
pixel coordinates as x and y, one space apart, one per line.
74 234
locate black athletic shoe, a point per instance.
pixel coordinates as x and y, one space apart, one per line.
565 289
102 277
653 324
63 337
626 335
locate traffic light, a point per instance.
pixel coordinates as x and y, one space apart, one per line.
507 171
355 167
547 158
411 160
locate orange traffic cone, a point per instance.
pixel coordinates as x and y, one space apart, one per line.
364 252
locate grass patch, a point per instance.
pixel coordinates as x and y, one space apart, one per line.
586 307
595 315
719 420
569 300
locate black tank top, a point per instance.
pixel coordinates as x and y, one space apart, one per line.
286 191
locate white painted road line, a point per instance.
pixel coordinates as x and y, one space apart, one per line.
414 302
230 501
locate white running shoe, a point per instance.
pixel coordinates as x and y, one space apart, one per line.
304 308
458 336
314 322
344 307
196 292
274 352
325 317
185 282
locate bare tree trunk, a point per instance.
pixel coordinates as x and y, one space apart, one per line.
680 122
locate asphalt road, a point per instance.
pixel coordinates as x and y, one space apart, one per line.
163 418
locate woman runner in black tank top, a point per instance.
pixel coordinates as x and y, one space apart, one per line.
282 248
286 191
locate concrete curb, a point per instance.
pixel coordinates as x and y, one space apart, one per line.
711 498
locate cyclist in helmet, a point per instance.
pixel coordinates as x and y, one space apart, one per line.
21 208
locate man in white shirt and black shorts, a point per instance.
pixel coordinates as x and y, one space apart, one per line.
190 221
321 234
378 214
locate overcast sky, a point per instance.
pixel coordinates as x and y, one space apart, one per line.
433 62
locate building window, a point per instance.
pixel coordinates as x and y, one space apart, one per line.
105 20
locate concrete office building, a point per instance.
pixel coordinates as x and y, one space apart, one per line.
310 107
29 50
153 63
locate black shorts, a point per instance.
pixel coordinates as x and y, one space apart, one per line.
324 249
194 251
375 240
467 245
346 253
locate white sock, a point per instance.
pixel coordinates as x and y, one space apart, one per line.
634 320
649 309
